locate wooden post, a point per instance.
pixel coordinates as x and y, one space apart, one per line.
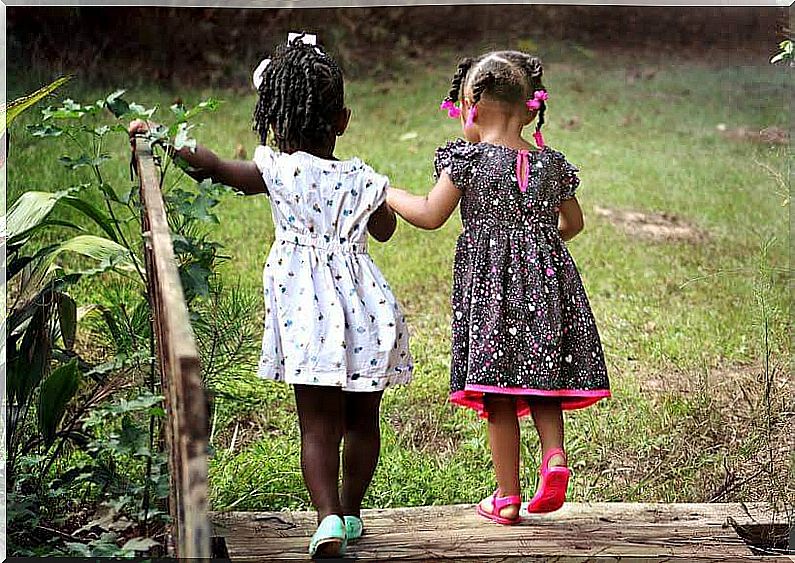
185 400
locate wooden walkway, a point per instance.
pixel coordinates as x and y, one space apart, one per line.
579 532
600 532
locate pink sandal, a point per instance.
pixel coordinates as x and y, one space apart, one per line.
551 492
497 504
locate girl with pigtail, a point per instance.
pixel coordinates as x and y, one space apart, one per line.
524 338
332 327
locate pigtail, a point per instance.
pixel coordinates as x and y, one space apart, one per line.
457 81
534 71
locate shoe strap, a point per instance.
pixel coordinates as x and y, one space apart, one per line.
501 502
549 455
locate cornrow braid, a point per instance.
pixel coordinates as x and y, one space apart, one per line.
458 79
300 95
482 83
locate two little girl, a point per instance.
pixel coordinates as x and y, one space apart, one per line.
524 338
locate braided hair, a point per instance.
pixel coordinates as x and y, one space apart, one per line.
300 96
507 76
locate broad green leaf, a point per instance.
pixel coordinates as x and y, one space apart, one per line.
18 106
179 111
83 160
139 544
107 253
97 248
78 549
138 111
33 359
109 192
45 130
211 104
69 110
67 316
116 104
22 237
31 208
56 392
99 217
182 139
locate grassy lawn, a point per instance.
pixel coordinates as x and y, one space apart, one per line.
680 320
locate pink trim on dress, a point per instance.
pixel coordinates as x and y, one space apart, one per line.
571 399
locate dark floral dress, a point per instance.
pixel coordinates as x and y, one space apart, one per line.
522 324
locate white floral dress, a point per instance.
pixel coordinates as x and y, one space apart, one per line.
330 317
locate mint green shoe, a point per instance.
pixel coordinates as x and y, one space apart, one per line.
353 527
330 539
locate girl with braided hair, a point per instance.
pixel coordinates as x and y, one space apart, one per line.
524 337
333 328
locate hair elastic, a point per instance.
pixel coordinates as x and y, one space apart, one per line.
258 72
307 38
539 139
453 110
473 113
539 96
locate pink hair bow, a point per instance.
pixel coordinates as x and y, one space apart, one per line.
452 110
535 102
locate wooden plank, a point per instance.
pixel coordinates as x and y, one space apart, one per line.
609 531
185 400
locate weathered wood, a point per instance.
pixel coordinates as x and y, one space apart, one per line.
185 400
609 531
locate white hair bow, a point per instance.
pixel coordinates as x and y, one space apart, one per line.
307 38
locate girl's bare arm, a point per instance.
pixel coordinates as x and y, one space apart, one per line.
430 211
240 174
382 223
570 222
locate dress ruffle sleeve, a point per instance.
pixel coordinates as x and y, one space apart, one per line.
265 159
455 158
568 180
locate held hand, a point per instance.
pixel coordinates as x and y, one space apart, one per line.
139 126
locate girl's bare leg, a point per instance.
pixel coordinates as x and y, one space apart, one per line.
504 442
361 447
548 418
321 418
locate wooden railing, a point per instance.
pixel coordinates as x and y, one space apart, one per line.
186 425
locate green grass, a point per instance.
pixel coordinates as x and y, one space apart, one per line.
671 311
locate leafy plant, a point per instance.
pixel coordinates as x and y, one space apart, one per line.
73 401
786 53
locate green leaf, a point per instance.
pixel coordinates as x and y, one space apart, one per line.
116 104
78 549
108 253
67 315
69 110
18 106
179 111
138 111
30 209
182 139
83 160
211 104
22 237
100 218
196 280
139 544
31 364
56 392
133 438
45 130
